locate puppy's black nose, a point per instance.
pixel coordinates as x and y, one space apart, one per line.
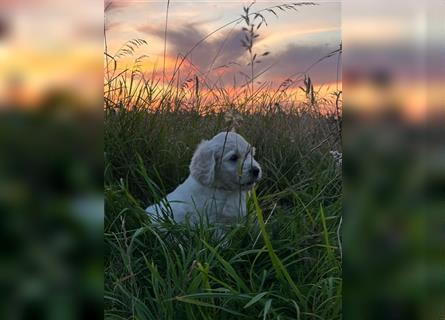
255 171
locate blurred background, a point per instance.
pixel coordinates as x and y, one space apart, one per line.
51 163
51 167
394 159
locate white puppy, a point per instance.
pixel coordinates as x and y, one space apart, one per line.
221 172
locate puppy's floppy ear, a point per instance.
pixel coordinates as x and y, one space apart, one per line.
202 167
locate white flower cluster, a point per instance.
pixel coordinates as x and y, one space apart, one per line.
338 156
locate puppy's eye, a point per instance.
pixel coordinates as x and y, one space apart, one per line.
234 157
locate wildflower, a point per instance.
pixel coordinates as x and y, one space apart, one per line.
233 118
338 157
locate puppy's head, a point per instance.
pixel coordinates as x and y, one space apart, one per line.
226 162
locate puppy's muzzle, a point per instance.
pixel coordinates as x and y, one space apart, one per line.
255 171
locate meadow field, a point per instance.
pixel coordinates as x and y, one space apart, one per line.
283 261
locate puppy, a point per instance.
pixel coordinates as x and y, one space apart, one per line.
222 171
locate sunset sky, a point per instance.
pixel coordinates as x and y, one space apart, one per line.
51 44
295 40
403 42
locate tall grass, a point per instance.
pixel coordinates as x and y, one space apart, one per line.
283 261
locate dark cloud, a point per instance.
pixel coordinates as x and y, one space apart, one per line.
227 48
224 48
5 27
296 58
422 60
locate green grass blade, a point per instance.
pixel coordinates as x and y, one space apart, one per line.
208 305
280 269
255 299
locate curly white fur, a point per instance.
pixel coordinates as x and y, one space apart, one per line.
222 171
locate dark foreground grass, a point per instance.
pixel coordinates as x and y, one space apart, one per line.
282 262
